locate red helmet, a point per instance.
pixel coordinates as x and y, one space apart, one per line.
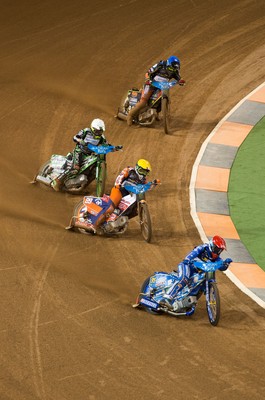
217 245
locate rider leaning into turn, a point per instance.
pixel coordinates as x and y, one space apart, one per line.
168 69
93 135
136 175
185 270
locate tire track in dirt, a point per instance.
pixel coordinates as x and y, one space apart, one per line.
35 352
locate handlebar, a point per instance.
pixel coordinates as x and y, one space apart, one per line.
164 85
211 266
140 188
103 149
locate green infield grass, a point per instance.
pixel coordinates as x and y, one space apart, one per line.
246 193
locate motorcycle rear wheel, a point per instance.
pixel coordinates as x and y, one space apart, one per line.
77 209
213 305
145 222
43 172
44 168
166 114
143 290
101 180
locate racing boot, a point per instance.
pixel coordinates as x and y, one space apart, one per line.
134 112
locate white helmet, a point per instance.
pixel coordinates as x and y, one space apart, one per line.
97 127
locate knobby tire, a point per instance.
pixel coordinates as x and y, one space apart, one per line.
77 208
143 290
165 114
213 306
145 222
101 180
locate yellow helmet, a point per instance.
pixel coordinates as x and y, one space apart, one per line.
143 168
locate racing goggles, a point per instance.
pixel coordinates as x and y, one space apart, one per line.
143 171
216 250
174 67
97 132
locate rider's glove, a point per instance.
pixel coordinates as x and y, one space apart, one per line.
156 181
226 264
118 147
181 82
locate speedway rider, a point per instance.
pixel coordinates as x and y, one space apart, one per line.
185 270
136 175
168 69
93 135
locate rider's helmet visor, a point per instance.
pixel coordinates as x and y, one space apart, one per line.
143 171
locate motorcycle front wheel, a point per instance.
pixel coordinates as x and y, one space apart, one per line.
145 222
165 114
101 179
213 304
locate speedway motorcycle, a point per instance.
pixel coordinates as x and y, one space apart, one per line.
202 283
158 103
93 167
133 204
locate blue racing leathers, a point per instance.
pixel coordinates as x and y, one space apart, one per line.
185 270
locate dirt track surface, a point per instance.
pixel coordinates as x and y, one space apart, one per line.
67 330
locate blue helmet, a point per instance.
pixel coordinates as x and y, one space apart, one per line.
173 63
